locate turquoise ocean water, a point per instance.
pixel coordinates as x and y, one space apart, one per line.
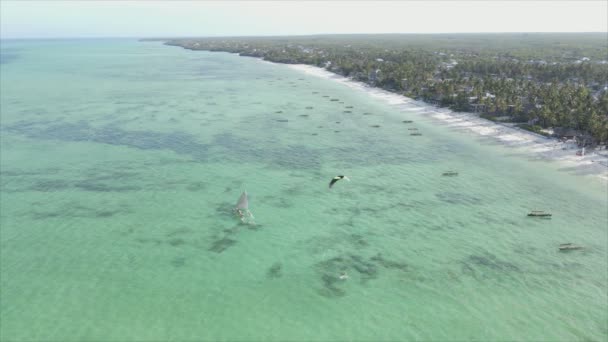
121 162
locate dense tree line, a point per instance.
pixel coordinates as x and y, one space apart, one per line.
545 80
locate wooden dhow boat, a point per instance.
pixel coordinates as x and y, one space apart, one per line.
539 213
569 247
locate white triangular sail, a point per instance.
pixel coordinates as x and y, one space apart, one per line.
243 202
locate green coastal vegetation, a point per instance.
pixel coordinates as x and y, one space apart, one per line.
549 83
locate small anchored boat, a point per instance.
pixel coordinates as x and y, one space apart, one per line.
407 121
415 133
450 173
539 213
569 247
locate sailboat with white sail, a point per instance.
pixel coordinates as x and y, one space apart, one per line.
242 209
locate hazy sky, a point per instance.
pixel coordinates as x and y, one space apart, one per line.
28 19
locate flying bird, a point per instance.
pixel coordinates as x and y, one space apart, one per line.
337 178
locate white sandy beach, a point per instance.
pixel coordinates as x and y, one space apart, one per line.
534 146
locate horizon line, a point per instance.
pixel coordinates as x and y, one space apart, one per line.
295 35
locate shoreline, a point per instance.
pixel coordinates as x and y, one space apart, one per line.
530 144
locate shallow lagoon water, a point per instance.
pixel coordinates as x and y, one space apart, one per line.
121 161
